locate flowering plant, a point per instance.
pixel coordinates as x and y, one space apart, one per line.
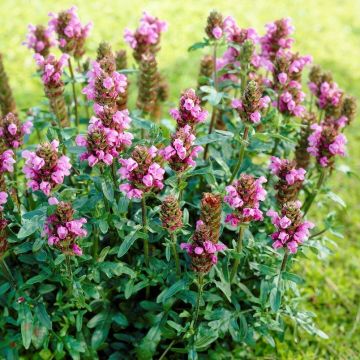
151 235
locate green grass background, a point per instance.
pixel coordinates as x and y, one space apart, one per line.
329 30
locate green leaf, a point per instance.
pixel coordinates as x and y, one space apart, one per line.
108 190
225 288
275 299
26 320
171 291
293 277
36 279
4 288
205 340
101 332
215 137
43 316
39 242
149 343
129 241
120 319
199 45
59 259
337 199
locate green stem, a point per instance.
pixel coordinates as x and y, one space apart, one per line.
213 115
77 122
95 249
312 197
283 265
144 223
167 350
198 301
175 253
239 248
241 153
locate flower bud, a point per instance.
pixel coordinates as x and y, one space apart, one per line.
171 214
211 215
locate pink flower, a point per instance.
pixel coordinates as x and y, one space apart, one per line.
142 172
217 32
7 161
291 230
53 201
244 196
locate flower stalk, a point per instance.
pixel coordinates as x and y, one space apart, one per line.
244 144
77 121
175 253
198 301
317 189
239 248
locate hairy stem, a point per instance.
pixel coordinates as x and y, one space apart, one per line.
239 248
175 253
241 153
144 223
213 115
77 122
283 265
198 301
7 273
167 350
313 195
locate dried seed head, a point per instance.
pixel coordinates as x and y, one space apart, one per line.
171 214
211 215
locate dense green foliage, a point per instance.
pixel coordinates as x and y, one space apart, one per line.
327 30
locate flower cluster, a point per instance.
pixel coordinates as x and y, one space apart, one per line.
182 152
146 37
325 143
3 200
7 161
63 230
290 100
105 83
190 111
215 25
51 70
107 136
327 92
244 196
39 39
202 250
251 103
171 214
277 38
291 229
142 171
290 178
70 32
44 168
240 51
12 131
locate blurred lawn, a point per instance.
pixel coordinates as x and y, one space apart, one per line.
329 30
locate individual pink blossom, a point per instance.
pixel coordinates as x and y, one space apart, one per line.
39 39
12 131
105 85
3 199
328 94
325 142
189 112
51 68
291 229
277 38
147 36
285 169
44 168
70 32
62 230
7 161
181 152
244 196
142 171
202 250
